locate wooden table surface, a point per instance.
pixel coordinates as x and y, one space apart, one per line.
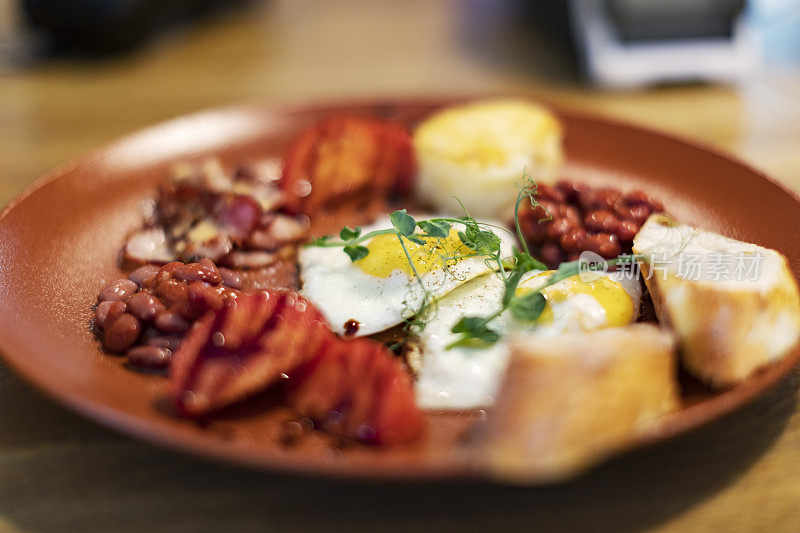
59 472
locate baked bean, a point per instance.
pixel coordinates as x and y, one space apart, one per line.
170 322
606 198
549 192
640 198
637 197
170 268
573 241
150 356
570 190
640 212
572 213
559 210
158 279
170 342
120 334
588 200
108 311
144 306
544 210
209 264
552 254
534 230
117 290
165 273
142 276
622 209
230 278
157 311
627 230
601 220
610 247
204 296
561 226
205 270
604 244
172 293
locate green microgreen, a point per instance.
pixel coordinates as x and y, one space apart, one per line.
348 234
474 331
527 307
403 222
478 240
356 252
436 228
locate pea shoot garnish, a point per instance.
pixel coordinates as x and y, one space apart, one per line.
477 239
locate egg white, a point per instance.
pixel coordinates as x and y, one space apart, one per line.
343 292
463 378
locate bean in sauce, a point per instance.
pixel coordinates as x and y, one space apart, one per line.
150 356
573 217
117 290
147 315
121 333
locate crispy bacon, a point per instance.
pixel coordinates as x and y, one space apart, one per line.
356 389
244 348
347 159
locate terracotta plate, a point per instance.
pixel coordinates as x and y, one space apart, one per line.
59 243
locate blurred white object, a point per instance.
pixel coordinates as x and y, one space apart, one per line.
777 23
614 61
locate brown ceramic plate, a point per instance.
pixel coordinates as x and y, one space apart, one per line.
59 243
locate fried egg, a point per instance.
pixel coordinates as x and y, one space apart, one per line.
381 290
468 377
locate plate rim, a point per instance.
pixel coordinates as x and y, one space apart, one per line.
691 418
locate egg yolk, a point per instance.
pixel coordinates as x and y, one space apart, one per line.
386 255
608 293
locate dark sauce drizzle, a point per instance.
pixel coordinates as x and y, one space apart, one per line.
351 327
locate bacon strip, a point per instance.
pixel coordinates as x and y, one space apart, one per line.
347 159
353 388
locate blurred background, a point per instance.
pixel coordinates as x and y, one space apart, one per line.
77 73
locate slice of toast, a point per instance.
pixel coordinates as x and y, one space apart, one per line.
569 401
734 306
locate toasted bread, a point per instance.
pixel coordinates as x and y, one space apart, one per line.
568 402
728 324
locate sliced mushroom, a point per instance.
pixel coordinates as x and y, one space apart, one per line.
287 229
261 239
213 248
249 259
214 176
149 246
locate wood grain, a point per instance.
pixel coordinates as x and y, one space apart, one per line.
59 472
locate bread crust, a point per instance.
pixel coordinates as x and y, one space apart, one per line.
725 334
566 403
